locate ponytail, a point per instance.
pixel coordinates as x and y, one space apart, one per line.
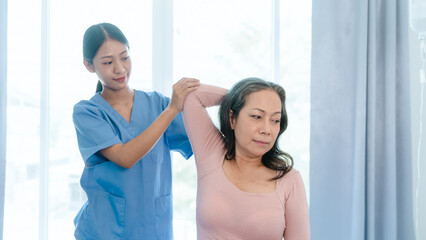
99 87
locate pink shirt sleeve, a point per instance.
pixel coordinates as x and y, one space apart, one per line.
205 138
296 210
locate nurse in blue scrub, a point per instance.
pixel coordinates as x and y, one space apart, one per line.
125 137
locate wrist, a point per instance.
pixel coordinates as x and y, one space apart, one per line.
172 110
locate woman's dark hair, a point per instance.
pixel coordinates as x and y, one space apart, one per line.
95 36
234 101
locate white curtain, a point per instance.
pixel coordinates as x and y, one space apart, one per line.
3 90
361 179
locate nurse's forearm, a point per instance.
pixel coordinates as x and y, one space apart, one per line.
126 155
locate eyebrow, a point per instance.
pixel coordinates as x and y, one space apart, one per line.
112 56
261 110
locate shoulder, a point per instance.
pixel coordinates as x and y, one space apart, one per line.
293 173
153 97
149 94
85 105
292 179
289 177
87 110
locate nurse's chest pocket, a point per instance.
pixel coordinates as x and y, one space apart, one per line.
103 217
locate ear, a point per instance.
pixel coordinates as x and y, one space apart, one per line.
89 66
231 119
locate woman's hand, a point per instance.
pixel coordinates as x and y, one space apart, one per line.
180 90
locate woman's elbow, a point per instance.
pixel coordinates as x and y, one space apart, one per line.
125 163
122 161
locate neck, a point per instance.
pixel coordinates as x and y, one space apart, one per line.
121 95
243 162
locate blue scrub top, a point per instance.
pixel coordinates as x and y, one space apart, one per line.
122 203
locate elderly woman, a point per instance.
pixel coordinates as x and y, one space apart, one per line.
247 187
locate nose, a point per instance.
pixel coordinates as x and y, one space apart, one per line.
118 68
265 128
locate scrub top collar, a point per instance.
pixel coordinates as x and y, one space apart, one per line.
101 101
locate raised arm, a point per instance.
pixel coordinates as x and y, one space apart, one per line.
202 133
126 155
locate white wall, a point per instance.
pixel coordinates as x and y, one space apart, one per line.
415 65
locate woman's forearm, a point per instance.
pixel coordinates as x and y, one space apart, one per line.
126 155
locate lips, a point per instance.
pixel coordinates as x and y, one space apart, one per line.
263 143
122 79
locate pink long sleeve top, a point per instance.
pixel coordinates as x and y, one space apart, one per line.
223 210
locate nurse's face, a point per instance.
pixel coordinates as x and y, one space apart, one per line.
258 123
112 64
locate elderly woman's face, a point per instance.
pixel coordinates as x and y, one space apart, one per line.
257 126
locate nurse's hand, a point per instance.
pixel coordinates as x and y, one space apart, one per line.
180 90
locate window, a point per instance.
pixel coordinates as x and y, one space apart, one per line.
23 121
295 46
69 83
218 42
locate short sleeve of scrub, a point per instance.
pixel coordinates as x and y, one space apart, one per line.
94 130
177 138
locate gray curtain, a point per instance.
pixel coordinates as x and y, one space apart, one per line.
3 88
361 179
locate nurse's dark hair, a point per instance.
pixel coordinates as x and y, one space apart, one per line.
95 36
234 101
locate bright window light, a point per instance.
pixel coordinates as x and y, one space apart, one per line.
219 42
